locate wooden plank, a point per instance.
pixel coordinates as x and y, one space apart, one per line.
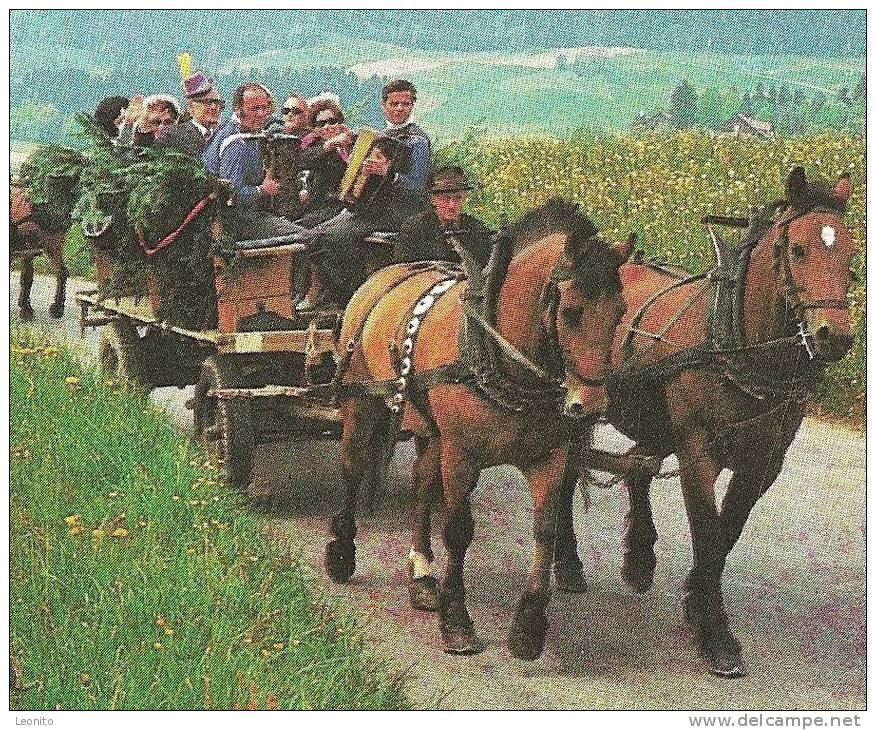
252 253
314 341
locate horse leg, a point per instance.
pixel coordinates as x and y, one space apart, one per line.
528 629
568 569
25 285
55 251
704 603
422 586
360 418
459 475
639 534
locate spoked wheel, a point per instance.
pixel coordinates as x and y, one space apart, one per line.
120 354
224 425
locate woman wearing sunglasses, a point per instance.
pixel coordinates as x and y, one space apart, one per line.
324 155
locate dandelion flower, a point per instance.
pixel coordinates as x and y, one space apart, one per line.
120 532
72 520
71 380
158 646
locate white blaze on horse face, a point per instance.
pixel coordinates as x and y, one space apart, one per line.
828 235
420 564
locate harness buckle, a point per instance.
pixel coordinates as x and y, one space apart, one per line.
805 338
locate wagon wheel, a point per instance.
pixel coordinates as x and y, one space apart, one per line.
120 353
224 425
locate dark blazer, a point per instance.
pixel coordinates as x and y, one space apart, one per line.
326 172
421 238
186 137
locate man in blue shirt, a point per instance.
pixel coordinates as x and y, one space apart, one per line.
234 154
337 250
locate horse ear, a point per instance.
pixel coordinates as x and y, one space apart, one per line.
623 249
843 188
796 187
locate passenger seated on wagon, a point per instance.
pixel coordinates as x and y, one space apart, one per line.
337 250
235 156
110 114
146 118
204 105
324 155
423 237
295 115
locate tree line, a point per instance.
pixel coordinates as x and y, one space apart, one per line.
789 111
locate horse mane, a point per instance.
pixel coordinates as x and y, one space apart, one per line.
593 263
819 194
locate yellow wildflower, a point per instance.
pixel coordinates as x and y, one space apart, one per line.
158 645
120 532
71 380
72 520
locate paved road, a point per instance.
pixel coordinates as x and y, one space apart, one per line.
795 586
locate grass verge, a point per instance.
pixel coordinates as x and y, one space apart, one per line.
137 581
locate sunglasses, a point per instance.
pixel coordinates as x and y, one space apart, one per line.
326 122
293 110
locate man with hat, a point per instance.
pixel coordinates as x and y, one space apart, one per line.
204 105
423 237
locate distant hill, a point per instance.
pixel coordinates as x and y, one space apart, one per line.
506 71
115 37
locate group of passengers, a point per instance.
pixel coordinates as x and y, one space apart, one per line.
422 205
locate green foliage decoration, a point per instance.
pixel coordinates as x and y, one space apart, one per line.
133 197
50 178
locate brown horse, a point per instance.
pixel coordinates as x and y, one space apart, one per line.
27 240
720 380
555 315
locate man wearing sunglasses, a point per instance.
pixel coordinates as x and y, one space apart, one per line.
204 106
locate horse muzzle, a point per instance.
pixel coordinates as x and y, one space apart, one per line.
585 401
831 346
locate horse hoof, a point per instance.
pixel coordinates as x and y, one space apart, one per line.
530 625
726 664
26 314
526 645
340 560
423 593
56 312
636 578
461 640
570 580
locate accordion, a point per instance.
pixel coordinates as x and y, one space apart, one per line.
359 189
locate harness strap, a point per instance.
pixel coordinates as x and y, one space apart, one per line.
506 346
627 352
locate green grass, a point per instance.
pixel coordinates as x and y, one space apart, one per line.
138 581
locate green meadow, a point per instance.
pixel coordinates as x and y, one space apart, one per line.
137 581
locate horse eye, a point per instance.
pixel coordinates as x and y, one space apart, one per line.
798 251
572 316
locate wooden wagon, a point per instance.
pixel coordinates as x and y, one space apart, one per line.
253 373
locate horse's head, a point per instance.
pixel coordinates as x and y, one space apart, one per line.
589 308
811 256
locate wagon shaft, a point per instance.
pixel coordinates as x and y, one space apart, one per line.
621 464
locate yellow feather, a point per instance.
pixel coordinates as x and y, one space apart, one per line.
185 65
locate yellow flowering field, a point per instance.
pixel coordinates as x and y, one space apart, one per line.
660 186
